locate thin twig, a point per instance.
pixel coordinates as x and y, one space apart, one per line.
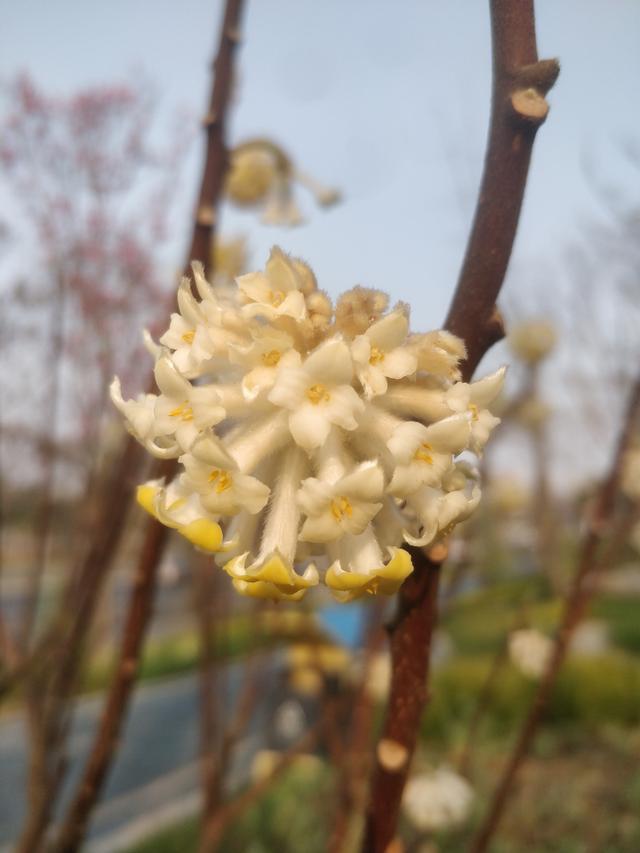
106 739
582 588
219 822
520 82
102 751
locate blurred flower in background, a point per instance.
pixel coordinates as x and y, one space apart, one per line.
437 800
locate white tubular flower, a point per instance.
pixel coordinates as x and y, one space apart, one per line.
213 474
425 454
318 394
361 567
270 351
379 355
275 292
474 398
182 409
177 508
439 353
346 506
271 573
437 514
312 442
138 413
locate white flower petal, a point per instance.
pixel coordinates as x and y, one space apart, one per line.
330 363
399 363
309 427
389 332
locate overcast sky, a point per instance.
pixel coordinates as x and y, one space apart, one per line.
389 101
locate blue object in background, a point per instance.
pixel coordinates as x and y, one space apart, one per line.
344 622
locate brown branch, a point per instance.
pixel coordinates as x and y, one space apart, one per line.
410 639
355 764
106 739
102 751
216 157
518 108
520 82
589 564
208 609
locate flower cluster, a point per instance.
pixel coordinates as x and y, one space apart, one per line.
438 800
530 651
312 442
262 175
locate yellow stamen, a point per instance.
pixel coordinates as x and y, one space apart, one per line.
224 478
271 358
276 298
474 411
423 453
341 506
188 337
183 411
376 356
318 394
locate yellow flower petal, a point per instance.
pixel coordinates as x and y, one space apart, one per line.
203 533
145 496
385 580
260 589
274 570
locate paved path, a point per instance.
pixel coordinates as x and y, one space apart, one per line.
156 763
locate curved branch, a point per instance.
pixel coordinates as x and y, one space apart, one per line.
590 562
520 82
518 108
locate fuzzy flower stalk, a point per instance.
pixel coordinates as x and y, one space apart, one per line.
313 441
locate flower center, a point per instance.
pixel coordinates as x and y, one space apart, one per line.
340 507
188 337
318 394
376 356
223 479
183 411
423 453
271 358
276 297
474 411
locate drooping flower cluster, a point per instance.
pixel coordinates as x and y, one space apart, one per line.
312 442
262 175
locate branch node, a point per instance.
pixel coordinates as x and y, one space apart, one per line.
206 216
233 34
529 105
210 120
539 75
392 756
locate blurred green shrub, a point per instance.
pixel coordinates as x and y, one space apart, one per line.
590 691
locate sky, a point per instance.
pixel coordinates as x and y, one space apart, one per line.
389 101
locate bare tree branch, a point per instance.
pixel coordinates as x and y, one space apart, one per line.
138 616
520 82
589 563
